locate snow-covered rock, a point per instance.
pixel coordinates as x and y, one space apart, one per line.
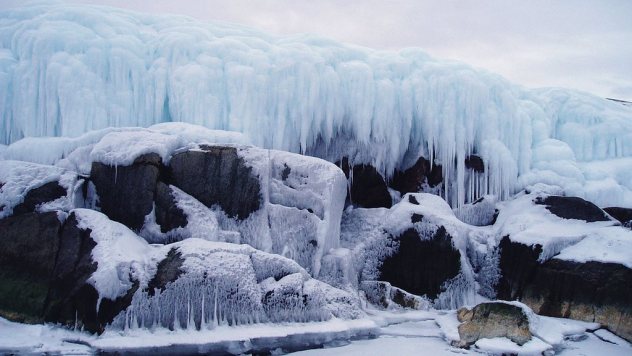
27 187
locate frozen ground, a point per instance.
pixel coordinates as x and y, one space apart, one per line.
383 332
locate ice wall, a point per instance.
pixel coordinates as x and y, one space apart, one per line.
67 69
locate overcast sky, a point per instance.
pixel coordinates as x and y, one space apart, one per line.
582 44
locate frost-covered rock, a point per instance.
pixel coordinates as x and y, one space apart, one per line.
27 187
278 202
204 284
385 295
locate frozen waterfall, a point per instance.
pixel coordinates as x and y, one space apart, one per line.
66 70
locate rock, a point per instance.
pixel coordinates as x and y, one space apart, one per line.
28 247
168 215
412 179
72 300
45 193
421 266
591 291
168 271
368 188
475 163
490 320
572 208
518 264
126 193
624 215
217 175
385 295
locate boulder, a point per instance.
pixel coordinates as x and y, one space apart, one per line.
490 320
217 175
572 208
126 193
624 215
412 179
591 291
475 163
421 264
37 196
72 299
28 247
168 215
368 187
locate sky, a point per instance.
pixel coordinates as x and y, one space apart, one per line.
579 44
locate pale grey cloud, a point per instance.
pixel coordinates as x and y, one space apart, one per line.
581 44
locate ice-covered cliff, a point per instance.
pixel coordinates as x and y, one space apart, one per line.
65 70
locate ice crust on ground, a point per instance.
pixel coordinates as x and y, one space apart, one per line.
68 69
381 332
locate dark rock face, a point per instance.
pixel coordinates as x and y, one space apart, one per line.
217 175
71 298
411 180
168 215
126 193
518 265
490 320
47 192
573 208
168 270
28 248
368 188
421 266
624 215
592 291
475 163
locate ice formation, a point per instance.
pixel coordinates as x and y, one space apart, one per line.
66 70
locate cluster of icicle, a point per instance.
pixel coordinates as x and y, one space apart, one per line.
65 70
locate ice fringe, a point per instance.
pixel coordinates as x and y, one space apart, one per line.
67 69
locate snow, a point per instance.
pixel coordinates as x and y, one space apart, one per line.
69 69
18 178
122 148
